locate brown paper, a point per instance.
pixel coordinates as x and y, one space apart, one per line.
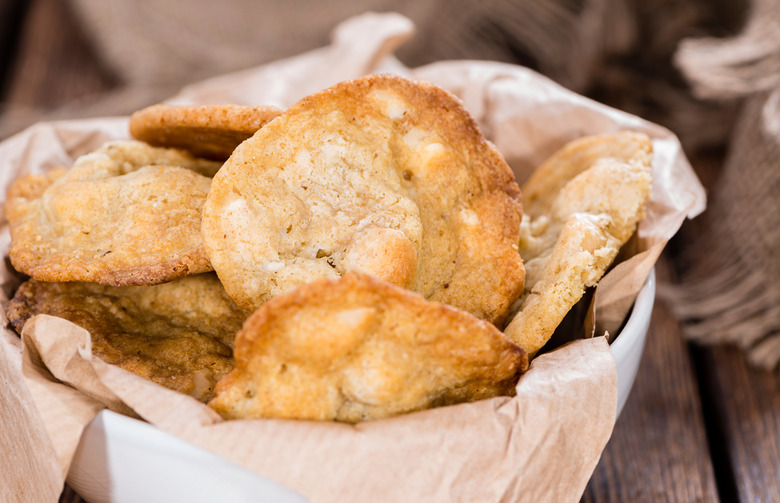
30 470
542 444
483 451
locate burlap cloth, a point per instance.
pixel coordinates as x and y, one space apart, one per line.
622 52
733 294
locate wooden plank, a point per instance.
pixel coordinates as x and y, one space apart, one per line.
658 451
12 14
54 66
741 404
747 404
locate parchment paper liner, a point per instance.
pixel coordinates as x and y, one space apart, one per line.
542 444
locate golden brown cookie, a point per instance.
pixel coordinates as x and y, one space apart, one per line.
544 184
210 131
379 175
356 349
570 238
114 218
31 187
178 334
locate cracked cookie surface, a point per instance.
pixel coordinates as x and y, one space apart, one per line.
126 214
379 175
179 334
583 204
356 348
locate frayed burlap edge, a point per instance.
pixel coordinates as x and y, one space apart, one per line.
729 306
731 291
739 66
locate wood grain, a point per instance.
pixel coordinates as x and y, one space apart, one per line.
53 66
741 404
658 451
746 403
12 13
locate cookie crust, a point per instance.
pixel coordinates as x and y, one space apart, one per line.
208 131
356 348
399 160
116 217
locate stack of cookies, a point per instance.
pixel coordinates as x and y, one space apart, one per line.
356 256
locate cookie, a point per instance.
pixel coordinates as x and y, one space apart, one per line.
380 175
178 334
116 217
576 233
544 184
355 349
209 131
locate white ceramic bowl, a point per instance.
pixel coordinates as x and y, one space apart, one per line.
628 346
120 459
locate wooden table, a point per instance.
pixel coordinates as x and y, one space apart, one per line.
700 425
